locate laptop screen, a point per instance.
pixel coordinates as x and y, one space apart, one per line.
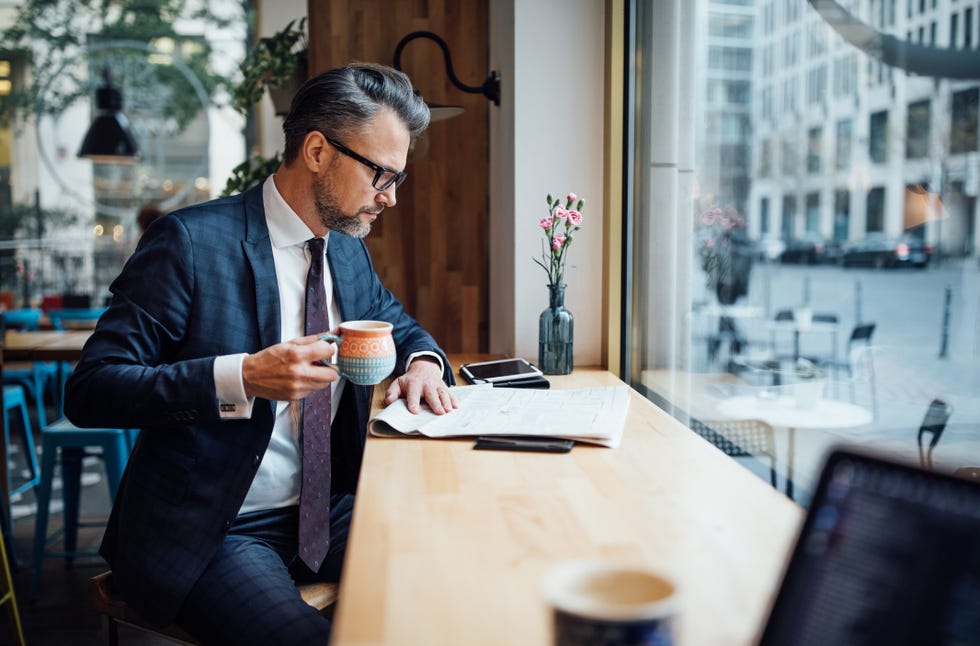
888 554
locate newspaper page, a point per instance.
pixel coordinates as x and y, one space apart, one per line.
594 415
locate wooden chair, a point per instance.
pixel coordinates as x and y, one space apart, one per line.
114 610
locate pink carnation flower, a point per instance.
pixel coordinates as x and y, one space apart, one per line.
571 197
574 218
561 213
545 223
557 241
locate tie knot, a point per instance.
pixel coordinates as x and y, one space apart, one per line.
316 246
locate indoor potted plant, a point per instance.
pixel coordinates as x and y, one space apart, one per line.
277 62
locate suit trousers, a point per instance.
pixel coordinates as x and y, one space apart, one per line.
247 594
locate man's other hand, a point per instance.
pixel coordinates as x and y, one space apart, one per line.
423 379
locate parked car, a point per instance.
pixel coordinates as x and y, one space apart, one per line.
880 251
810 248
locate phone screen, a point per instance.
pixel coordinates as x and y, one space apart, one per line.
504 369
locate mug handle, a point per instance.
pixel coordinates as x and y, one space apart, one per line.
331 338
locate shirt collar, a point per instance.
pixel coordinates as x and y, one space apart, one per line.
286 229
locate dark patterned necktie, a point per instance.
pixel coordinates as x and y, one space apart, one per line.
314 497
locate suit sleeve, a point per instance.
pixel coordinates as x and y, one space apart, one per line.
133 372
408 335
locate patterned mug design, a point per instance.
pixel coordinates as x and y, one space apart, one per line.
365 351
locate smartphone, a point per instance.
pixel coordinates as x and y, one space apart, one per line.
498 370
537 444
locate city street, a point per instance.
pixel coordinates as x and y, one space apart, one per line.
908 309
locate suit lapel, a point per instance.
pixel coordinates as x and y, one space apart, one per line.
258 250
339 257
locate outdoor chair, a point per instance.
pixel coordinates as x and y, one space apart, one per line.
933 424
740 438
859 360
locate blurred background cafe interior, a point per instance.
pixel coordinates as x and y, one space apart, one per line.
781 211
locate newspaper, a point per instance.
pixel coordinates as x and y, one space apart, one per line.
593 415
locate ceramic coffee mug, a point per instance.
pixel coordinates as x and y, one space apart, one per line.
365 351
606 603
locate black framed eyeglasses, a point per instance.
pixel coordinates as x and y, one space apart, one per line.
383 177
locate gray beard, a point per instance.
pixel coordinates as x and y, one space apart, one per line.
332 216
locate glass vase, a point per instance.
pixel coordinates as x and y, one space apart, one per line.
555 334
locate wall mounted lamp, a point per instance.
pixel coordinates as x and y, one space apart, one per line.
924 60
490 88
108 140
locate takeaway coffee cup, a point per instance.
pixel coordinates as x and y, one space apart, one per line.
594 602
365 351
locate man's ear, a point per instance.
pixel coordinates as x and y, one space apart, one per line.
316 153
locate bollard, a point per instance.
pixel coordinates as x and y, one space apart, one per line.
857 302
945 333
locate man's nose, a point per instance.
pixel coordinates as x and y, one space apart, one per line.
387 196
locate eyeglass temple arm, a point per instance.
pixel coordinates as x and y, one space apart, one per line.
490 87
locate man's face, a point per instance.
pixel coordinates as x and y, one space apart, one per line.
345 199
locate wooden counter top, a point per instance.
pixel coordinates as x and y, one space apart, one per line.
449 545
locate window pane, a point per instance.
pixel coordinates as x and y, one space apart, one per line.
827 236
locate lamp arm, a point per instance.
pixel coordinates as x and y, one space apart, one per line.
918 59
490 87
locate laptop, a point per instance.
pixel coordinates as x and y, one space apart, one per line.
889 553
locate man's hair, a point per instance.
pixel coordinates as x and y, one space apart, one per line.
340 102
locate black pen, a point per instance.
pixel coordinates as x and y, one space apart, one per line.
543 444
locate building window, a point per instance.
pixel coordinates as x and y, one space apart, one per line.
963 130
878 137
764 215
954 23
789 215
917 130
875 218
968 28
729 25
813 149
813 212
843 159
842 215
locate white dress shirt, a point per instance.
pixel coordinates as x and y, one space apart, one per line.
277 481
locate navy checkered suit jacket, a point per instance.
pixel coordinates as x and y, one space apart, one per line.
202 283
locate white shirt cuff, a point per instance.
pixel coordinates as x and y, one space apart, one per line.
229 387
412 357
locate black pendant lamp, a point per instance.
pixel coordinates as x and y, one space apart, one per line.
108 140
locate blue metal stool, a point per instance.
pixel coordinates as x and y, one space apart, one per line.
69 441
32 375
14 399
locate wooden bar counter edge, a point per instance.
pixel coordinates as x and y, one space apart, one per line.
449 545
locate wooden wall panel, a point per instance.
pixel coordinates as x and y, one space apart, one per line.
431 250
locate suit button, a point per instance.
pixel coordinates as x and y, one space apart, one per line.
255 460
227 525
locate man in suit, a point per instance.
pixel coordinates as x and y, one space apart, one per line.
208 348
